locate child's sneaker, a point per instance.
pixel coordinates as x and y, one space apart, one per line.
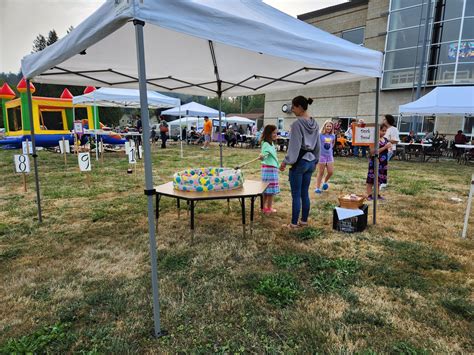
318 191
325 186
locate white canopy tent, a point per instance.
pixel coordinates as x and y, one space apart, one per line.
200 47
193 109
448 101
115 97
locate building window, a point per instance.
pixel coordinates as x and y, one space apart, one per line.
450 46
355 35
420 126
280 124
468 128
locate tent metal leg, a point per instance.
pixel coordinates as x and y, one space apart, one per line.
220 129
375 194
35 156
149 190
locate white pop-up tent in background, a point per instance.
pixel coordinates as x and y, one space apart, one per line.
238 48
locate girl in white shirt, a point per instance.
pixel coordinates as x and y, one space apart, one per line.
392 135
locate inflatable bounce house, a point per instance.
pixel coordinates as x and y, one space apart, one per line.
53 118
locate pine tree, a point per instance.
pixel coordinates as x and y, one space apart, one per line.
39 43
69 30
52 37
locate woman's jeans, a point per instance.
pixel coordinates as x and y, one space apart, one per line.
300 180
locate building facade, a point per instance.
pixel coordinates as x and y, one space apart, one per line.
397 28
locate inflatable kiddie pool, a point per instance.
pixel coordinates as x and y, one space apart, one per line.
208 179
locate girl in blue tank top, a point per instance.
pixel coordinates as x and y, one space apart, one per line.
326 158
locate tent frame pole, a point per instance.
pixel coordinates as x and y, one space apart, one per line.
149 190
375 193
33 143
219 94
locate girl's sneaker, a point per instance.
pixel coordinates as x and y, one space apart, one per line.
325 186
318 191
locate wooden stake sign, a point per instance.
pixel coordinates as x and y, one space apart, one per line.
64 148
22 166
84 160
26 147
468 208
363 134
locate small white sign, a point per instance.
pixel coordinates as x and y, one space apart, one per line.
131 155
22 163
127 147
84 161
140 152
101 147
78 129
24 149
132 143
364 135
64 146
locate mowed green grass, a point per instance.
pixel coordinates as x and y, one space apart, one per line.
80 281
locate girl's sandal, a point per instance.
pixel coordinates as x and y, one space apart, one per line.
303 224
273 210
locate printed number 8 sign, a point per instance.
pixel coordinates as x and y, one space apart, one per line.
22 163
84 161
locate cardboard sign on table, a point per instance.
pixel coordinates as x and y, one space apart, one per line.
363 134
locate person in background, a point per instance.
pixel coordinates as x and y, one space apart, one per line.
230 137
254 129
153 135
460 138
384 147
163 132
302 155
348 133
326 157
392 135
207 132
269 159
139 129
241 130
184 134
411 138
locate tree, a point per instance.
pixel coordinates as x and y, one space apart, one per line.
52 37
69 30
39 43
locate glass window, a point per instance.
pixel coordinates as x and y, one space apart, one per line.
399 78
447 31
51 120
355 36
404 38
466 53
453 9
428 124
468 28
399 4
465 73
469 8
444 53
406 18
444 74
14 119
469 126
404 58
80 113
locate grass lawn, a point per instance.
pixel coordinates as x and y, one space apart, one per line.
80 282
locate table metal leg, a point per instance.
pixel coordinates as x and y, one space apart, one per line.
252 208
261 201
157 210
192 221
228 206
243 216
178 205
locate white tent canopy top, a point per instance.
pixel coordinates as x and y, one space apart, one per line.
199 121
448 101
114 97
192 109
269 50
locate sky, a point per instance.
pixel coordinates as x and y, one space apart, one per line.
22 20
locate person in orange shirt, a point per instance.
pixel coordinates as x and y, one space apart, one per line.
207 131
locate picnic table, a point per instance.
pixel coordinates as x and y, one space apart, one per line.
282 142
466 156
416 149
